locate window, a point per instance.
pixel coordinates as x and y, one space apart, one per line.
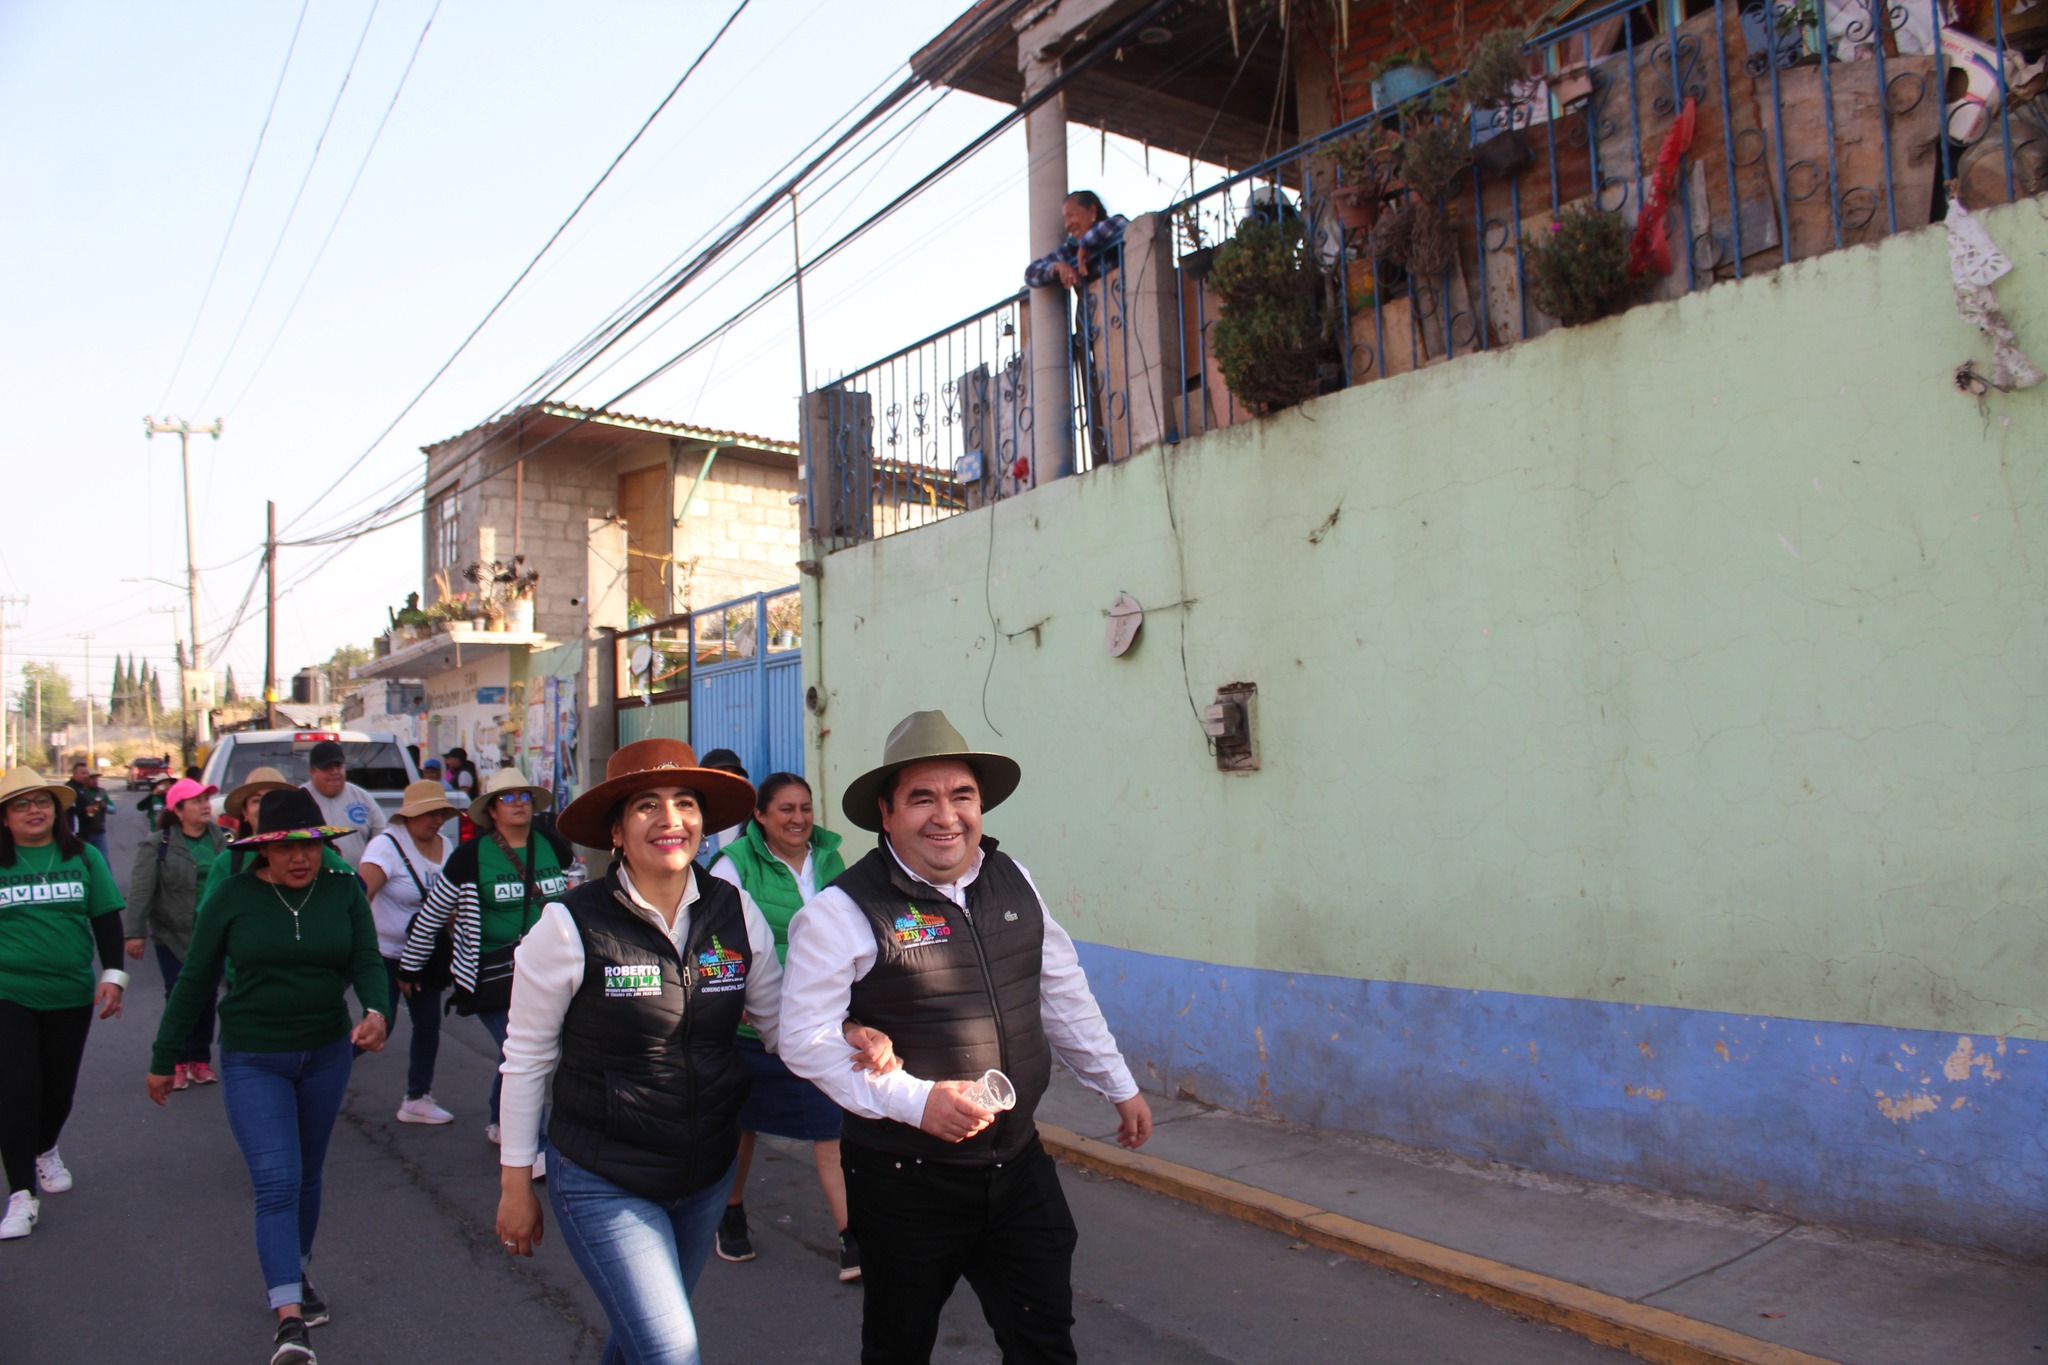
445 520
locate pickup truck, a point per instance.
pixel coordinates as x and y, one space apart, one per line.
142 772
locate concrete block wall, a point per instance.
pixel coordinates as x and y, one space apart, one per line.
742 531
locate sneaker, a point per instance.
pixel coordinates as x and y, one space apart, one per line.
491 1132
732 1242
849 1257
423 1110
293 1344
311 1304
23 1209
51 1173
201 1074
181 1077
540 1165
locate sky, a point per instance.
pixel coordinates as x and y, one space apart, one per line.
128 131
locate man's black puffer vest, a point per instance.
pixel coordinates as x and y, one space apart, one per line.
957 993
649 1087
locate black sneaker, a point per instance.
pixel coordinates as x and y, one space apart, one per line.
732 1242
311 1304
294 1345
849 1257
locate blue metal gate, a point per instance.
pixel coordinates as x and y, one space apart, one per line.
746 686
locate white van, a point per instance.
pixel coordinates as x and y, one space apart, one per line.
377 763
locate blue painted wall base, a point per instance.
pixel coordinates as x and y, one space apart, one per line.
1912 1134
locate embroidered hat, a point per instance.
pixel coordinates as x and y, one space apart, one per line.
425 797
920 736
503 782
184 789
259 781
22 781
727 800
290 815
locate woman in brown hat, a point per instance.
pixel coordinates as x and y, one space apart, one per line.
58 904
399 867
491 893
630 994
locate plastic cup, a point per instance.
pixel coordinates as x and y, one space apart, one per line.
993 1091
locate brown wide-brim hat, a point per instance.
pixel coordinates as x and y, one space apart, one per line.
21 781
425 797
726 799
260 781
503 782
918 738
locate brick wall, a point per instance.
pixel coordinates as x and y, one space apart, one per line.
742 531
1441 32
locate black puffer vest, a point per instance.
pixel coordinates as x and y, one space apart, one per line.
957 993
649 1088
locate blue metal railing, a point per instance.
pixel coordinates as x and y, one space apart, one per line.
1820 124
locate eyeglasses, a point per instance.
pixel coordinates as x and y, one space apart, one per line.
39 801
515 798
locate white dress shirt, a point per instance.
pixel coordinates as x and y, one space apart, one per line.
832 945
806 877
548 970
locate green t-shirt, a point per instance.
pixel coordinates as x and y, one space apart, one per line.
504 910
47 905
203 853
291 973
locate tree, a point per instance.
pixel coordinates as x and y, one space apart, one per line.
156 692
337 668
55 695
118 696
230 696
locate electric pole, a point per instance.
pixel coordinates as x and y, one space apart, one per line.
92 758
270 619
185 432
8 750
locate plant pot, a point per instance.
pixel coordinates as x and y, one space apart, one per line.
477 622
1502 155
519 616
445 627
1199 262
1400 83
496 626
1357 212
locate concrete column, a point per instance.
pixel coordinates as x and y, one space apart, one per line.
1052 400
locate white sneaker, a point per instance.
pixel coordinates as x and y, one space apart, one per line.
23 1209
491 1132
540 1165
51 1173
423 1110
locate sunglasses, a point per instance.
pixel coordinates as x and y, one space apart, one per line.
515 798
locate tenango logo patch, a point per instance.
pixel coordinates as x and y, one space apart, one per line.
719 968
915 928
631 979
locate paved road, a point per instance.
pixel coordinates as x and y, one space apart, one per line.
151 1257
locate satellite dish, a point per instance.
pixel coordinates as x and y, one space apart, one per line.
1126 619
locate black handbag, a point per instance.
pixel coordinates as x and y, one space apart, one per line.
493 993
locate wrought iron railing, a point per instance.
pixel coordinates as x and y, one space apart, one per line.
1784 131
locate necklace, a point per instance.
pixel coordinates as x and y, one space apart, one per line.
56 856
295 909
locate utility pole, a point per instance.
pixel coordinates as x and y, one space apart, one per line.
7 750
803 363
185 432
270 620
92 757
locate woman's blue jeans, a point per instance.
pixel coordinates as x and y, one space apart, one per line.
496 1023
281 1108
642 1259
423 1007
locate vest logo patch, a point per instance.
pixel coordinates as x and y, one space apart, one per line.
550 884
917 928
719 968
622 981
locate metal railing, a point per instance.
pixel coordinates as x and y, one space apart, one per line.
1800 128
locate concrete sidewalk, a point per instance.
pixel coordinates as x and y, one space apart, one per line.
1668 1279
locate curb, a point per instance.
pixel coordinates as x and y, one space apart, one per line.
1653 1334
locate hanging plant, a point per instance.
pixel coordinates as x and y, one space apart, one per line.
1269 338
1578 271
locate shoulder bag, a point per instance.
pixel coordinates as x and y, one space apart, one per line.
440 968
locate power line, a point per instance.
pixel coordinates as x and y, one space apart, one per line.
362 166
552 239
291 213
236 215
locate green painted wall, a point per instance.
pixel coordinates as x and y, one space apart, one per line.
1695 658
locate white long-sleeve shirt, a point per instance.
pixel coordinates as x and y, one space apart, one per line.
832 945
548 967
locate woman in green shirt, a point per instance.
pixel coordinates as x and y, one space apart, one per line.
57 903
298 935
163 897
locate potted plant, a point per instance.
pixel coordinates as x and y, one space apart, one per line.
1414 235
1399 77
1365 172
1496 84
1269 339
1579 270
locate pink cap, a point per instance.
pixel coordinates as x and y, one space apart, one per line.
184 789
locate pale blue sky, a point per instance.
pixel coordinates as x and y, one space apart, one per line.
125 131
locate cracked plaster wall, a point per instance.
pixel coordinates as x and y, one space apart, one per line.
1691 659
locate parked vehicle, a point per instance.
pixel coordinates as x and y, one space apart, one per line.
144 771
377 763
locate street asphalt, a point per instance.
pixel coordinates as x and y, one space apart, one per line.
151 1257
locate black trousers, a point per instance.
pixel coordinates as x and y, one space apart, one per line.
922 1225
40 1052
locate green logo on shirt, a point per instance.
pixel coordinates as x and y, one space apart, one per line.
631 979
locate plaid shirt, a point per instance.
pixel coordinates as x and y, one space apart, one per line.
1099 240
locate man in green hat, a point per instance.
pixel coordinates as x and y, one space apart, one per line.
941 941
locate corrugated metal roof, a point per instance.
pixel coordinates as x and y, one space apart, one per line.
606 417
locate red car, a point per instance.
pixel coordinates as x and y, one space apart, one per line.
143 771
